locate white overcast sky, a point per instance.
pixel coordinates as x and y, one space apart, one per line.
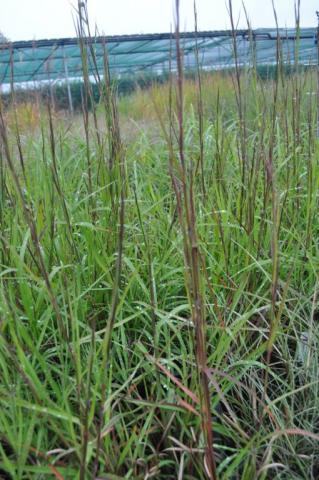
35 19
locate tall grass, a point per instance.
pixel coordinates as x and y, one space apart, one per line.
159 291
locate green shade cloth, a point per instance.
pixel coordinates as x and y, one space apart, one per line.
33 61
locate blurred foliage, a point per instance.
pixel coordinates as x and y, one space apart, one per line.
125 86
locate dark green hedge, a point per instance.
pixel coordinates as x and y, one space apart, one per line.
124 86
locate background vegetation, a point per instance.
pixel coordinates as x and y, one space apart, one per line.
124 86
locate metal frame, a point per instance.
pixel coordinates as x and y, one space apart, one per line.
258 34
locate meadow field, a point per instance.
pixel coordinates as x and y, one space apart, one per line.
159 282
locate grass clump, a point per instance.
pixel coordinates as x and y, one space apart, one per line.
159 293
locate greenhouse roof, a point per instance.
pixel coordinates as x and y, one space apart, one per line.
56 59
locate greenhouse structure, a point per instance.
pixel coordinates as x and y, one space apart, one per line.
58 59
